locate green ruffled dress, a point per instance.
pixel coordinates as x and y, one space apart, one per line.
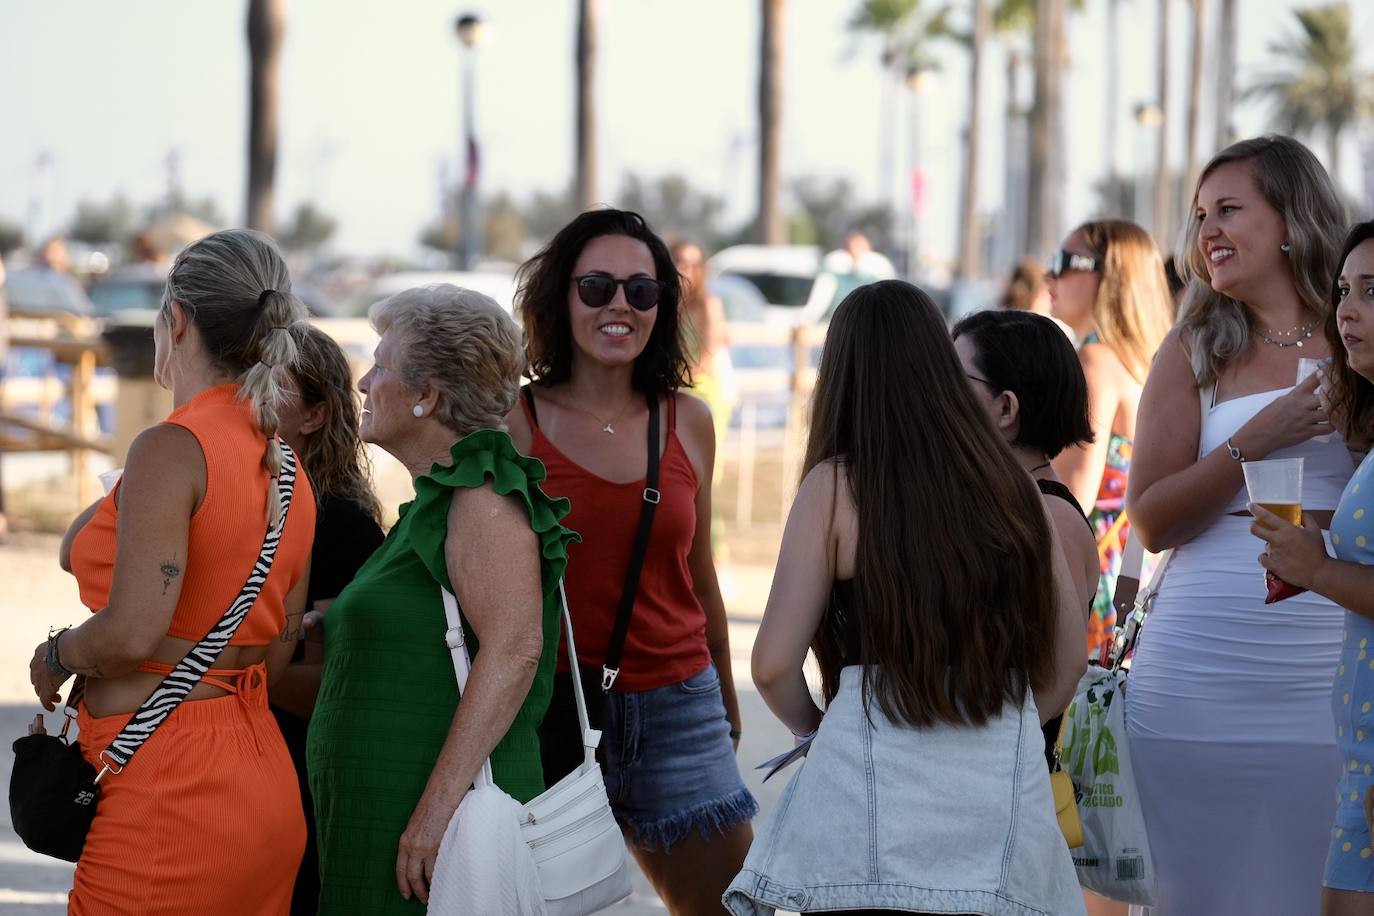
388 693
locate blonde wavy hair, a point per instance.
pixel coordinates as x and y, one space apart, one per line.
1133 309
1295 184
235 288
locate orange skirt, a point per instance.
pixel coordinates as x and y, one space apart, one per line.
206 818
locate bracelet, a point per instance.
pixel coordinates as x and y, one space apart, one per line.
54 659
735 734
1235 452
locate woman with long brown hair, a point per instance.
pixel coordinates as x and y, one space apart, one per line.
914 565
1107 284
318 418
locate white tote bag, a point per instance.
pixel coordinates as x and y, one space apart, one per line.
562 854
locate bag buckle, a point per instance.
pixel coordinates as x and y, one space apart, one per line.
454 637
608 676
652 496
111 766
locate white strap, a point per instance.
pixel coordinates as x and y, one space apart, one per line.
462 666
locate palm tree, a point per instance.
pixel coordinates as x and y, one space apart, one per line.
768 229
1014 23
1160 216
266 28
1113 87
1044 208
1226 74
906 29
969 246
586 104
1194 95
1319 89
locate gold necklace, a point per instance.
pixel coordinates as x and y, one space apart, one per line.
607 426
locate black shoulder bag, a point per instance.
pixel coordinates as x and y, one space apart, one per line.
53 790
554 747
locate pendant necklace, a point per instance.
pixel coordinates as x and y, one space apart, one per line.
607 426
1303 333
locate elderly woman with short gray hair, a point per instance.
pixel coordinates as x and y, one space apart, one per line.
392 751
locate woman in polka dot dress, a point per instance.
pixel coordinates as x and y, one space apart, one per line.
1299 556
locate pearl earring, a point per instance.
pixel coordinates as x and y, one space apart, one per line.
418 411
1285 247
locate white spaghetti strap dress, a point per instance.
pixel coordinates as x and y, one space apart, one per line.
1229 710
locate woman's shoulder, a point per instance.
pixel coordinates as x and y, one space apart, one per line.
481 458
486 459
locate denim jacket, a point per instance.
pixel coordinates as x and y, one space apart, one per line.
941 819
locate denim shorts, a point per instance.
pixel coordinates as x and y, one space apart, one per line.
670 764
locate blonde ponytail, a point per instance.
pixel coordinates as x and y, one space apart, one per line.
263 382
235 287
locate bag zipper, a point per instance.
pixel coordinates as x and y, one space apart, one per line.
571 828
584 794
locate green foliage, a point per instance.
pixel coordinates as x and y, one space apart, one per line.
103 223
1318 86
826 210
203 208
906 27
11 236
309 228
674 208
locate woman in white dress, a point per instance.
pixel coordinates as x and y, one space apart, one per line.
1229 702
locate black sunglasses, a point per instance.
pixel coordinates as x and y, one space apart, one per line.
596 290
1061 262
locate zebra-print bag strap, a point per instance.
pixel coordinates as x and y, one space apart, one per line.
188 672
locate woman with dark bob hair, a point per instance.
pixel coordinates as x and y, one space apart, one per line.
1028 378
920 566
600 305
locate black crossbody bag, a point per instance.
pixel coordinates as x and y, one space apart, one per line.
559 745
53 790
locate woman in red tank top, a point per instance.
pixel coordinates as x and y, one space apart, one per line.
600 309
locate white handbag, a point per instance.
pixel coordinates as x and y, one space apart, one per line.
569 831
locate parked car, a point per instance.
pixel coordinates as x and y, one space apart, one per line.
137 287
788 277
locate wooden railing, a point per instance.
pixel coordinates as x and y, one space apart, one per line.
76 344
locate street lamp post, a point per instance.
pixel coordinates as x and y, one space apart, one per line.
1148 116
918 77
470 31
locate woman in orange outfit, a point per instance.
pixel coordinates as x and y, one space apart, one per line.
207 816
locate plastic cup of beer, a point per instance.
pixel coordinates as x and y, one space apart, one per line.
108 479
1276 484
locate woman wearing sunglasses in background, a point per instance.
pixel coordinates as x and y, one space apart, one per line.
1108 285
1228 711
600 305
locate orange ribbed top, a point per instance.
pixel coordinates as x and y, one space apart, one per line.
226 531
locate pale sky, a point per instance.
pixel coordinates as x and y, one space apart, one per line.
370 103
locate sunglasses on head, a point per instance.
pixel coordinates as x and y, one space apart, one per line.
1061 262
596 290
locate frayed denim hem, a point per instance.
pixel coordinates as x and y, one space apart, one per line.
720 815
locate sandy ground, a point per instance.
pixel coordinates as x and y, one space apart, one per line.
35 594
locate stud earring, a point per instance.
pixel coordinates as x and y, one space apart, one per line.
418 411
1285 248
